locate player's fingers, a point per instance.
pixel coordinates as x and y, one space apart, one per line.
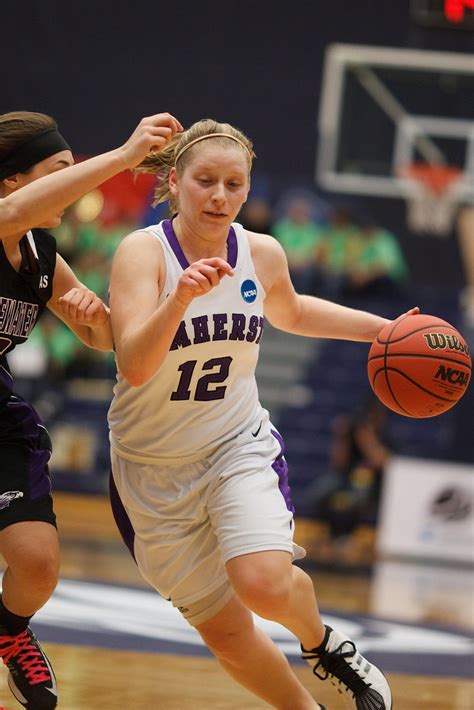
83 305
218 263
96 312
69 301
210 273
91 309
163 119
79 303
200 279
412 312
162 132
225 272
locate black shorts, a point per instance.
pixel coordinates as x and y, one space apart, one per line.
25 486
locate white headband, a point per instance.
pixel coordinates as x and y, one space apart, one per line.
212 135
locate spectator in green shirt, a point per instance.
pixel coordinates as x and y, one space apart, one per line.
376 264
299 235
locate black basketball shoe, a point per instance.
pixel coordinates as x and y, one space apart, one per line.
361 683
31 678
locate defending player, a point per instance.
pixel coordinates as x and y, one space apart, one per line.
200 488
32 277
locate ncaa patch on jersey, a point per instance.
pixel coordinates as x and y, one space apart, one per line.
249 291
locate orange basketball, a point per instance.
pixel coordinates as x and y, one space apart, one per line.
419 366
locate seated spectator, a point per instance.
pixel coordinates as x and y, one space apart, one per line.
299 234
375 264
333 252
347 497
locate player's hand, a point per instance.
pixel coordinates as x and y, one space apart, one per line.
200 278
383 322
412 312
83 306
152 134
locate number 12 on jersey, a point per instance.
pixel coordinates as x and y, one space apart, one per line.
202 393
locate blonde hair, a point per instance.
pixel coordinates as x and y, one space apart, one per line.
179 153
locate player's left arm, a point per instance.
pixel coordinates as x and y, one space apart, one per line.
306 315
80 308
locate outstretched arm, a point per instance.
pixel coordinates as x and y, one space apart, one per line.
308 315
39 200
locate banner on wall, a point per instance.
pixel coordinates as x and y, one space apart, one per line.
427 510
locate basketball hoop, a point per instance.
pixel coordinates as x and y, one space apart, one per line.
431 195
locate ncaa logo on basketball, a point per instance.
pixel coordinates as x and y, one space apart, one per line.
454 377
249 291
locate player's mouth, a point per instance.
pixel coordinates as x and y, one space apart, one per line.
215 214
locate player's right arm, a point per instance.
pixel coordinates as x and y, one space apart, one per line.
45 197
142 329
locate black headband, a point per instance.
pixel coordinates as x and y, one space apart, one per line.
31 152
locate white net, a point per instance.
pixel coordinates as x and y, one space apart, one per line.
432 201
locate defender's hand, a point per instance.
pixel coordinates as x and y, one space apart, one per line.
153 133
81 305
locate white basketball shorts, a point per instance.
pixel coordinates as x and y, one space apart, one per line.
184 520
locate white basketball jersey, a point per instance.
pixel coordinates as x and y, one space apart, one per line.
205 392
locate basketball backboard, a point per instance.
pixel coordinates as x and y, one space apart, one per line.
383 109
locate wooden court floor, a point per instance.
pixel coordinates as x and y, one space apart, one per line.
102 679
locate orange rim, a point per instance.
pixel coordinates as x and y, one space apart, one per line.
437 178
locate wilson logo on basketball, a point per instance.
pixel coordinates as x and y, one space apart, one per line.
454 377
440 341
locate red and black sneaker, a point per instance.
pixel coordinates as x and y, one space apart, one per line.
31 678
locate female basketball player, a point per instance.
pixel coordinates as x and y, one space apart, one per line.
33 276
200 489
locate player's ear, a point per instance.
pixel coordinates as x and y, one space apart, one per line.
12 183
173 182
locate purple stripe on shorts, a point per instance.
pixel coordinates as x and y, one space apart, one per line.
6 381
22 427
38 474
232 246
281 469
20 420
121 518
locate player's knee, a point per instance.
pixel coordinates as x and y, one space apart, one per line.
266 592
40 568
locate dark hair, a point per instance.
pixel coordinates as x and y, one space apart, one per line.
18 127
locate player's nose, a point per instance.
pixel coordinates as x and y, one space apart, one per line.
218 194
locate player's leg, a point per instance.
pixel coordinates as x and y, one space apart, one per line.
31 551
29 544
251 514
252 659
272 587
183 562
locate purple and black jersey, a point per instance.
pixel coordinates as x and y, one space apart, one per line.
23 298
